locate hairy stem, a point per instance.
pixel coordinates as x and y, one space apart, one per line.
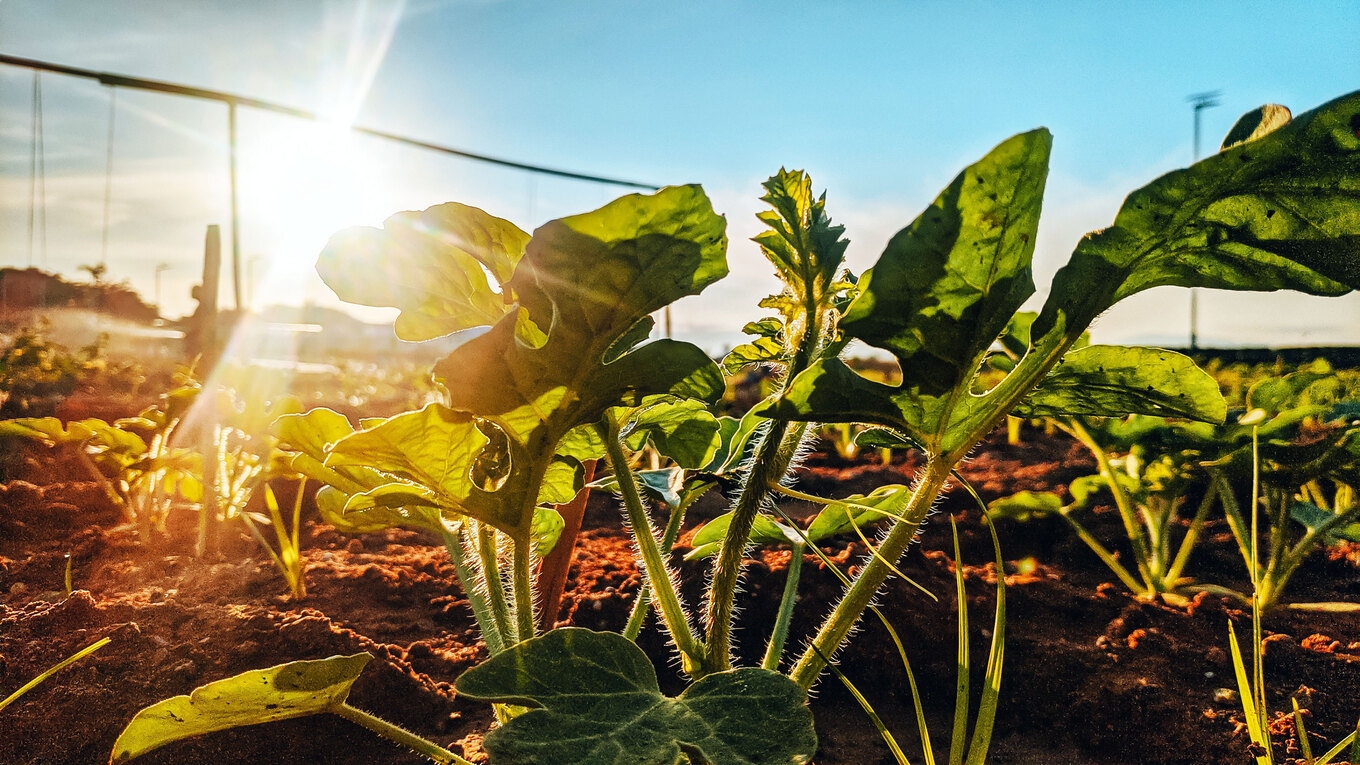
400 735
522 556
658 574
642 606
467 579
495 586
771 462
861 593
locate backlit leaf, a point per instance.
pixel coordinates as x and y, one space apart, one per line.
283 692
430 265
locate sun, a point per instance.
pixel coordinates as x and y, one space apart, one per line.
300 182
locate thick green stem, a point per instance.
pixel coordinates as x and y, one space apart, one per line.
860 594
771 462
643 604
400 735
521 559
495 586
658 574
467 579
774 651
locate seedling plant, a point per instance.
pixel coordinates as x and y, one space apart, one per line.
563 376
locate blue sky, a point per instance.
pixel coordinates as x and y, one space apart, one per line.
882 102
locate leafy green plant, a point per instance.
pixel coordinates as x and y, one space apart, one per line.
563 376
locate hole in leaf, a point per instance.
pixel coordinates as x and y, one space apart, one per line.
492 467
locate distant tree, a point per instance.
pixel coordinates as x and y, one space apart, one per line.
96 272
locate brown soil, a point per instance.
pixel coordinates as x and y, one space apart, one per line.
1091 675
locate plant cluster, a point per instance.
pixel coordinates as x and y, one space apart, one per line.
561 377
36 374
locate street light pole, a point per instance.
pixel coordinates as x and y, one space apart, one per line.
159 268
1200 102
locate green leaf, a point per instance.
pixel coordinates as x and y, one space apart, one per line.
684 431
428 264
764 531
663 484
883 438
1279 212
563 478
943 290
805 248
1112 380
763 350
434 448
835 519
547 527
290 690
1025 505
1314 517
589 281
599 702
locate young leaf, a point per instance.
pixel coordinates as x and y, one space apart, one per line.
764 530
941 293
1025 505
430 453
598 700
840 518
805 248
1108 380
283 692
428 264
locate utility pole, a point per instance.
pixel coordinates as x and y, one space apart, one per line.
1200 102
159 268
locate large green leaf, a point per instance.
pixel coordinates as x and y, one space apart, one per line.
428 264
1278 212
307 439
430 456
942 291
599 702
587 280
586 284
1107 380
290 690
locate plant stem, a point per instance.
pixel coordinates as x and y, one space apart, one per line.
768 467
1121 501
103 481
400 735
860 594
642 606
467 579
774 651
521 558
644 536
495 586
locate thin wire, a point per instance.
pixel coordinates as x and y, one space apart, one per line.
108 177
